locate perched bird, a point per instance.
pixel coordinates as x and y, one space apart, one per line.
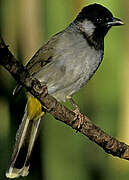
65 64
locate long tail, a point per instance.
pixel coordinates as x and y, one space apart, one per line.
25 138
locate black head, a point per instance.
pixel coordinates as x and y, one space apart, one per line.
100 16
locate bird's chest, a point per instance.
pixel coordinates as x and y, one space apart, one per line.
90 62
85 61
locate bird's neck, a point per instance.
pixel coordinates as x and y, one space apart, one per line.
96 39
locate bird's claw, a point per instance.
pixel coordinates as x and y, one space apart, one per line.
78 118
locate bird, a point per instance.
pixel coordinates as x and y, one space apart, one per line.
65 63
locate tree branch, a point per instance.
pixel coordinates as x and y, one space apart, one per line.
61 113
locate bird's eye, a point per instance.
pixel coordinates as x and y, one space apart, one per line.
98 20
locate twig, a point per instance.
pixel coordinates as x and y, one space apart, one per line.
39 90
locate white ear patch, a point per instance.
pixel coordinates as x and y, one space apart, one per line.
88 27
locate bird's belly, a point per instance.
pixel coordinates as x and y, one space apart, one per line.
67 75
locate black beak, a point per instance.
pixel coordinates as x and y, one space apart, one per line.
115 22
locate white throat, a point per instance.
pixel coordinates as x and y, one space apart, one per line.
88 27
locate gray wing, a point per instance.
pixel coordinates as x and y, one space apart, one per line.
41 58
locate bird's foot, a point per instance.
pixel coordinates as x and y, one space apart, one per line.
40 87
78 116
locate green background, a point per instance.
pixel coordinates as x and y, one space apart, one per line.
60 153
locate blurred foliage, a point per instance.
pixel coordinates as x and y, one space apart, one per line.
60 153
